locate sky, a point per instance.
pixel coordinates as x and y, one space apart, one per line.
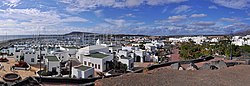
147 17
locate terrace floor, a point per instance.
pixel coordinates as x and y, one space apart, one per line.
22 73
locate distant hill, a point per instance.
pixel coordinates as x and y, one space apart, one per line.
78 33
81 33
242 33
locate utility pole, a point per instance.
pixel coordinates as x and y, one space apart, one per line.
231 47
70 70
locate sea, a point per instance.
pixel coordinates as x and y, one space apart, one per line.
11 37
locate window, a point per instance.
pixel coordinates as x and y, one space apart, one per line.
32 60
92 65
99 66
62 56
78 57
95 66
85 63
89 63
17 57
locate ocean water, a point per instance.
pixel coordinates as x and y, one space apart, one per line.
10 37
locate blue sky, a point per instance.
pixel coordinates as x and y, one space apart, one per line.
148 17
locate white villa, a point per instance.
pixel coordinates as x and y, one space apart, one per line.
97 60
241 40
82 71
30 57
141 56
95 56
127 58
52 64
18 54
197 40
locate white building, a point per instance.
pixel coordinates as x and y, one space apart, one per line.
97 60
113 48
141 56
197 40
241 40
92 49
82 72
126 57
3 55
11 50
214 40
129 61
30 57
20 47
124 53
96 56
128 48
62 55
18 54
52 64
70 49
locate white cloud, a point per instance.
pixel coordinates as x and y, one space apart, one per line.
11 3
229 19
172 20
130 15
204 23
30 19
7 23
74 19
157 2
98 13
213 7
127 15
178 18
35 15
235 4
198 15
182 8
85 5
164 10
116 22
140 23
236 26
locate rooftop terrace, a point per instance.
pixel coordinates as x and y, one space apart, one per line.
52 58
83 68
97 55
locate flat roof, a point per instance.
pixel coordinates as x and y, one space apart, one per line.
52 58
83 68
97 55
